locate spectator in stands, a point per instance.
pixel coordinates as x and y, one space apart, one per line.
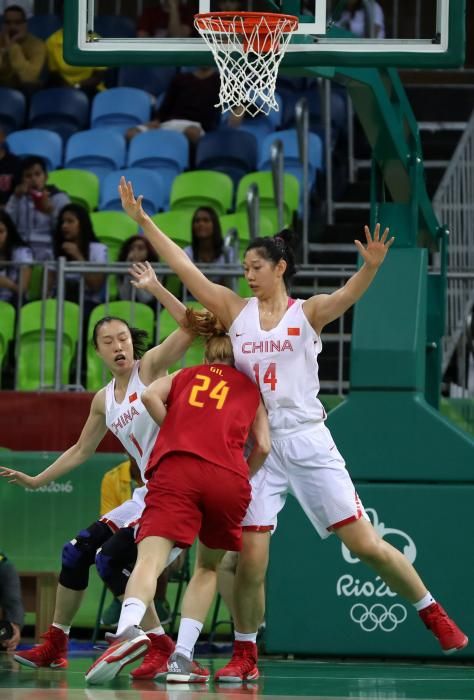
207 243
13 280
34 207
188 105
11 606
27 5
357 19
74 238
9 170
135 249
169 18
22 55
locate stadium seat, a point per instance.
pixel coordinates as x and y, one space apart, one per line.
136 314
120 108
30 352
113 228
262 124
195 353
81 186
239 222
98 150
153 79
12 109
145 182
38 142
176 224
202 188
62 109
264 181
7 327
229 151
165 151
43 26
115 26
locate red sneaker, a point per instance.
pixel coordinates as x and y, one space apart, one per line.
51 653
132 644
242 666
444 629
154 664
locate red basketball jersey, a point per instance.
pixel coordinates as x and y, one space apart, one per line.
210 411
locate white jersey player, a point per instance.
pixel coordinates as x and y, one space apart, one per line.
304 459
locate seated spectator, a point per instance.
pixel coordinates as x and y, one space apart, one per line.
11 606
188 105
61 74
207 243
9 170
34 207
356 18
22 55
74 238
136 249
169 18
27 5
13 280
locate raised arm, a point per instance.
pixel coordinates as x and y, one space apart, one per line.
324 308
223 302
260 432
89 439
144 277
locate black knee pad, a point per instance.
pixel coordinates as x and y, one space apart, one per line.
79 554
116 559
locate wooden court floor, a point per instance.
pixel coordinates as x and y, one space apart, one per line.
318 680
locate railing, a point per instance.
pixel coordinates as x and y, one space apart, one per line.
454 206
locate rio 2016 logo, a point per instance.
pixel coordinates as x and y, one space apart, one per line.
385 618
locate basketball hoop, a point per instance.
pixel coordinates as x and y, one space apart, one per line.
248 48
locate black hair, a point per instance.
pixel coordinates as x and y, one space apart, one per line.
14 240
217 240
126 245
279 247
139 337
30 161
15 8
86 231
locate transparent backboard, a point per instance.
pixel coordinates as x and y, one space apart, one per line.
346 33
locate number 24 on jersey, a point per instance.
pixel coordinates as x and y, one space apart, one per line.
218 393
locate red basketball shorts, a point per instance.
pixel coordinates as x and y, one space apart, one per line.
189 497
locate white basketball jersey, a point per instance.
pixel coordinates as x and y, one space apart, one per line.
130 422
283 362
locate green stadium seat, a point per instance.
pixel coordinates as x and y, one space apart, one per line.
7 328
264 181
113 228
81 186
176 224
30 352
202 188
137 315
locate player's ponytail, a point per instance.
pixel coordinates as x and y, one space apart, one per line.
217 346
279 247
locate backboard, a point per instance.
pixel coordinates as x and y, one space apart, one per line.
419 34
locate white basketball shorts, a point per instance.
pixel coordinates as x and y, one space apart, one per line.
128 512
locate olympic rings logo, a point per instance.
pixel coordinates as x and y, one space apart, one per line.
378 616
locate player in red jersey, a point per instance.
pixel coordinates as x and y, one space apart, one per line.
201 488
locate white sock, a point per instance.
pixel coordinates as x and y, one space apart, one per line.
188 633
156 630
132 613
65 628
241 637
425 602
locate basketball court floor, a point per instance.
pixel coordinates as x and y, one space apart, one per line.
282 679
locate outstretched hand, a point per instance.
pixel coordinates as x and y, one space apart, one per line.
20 478
377 247
144 276
131 206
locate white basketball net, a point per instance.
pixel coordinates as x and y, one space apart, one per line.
247 57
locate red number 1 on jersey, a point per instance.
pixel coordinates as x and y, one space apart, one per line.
269 377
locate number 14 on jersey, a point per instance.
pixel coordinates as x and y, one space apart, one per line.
269 376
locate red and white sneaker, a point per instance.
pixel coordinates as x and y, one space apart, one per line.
51 653
155 662
184 670
131 644
444 629
242 666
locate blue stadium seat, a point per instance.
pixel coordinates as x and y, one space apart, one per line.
12 109
145 182
62 109
115 26
97 150
152 79
262 124
292 163
120 108
230 151
38 142
43 26
164 151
